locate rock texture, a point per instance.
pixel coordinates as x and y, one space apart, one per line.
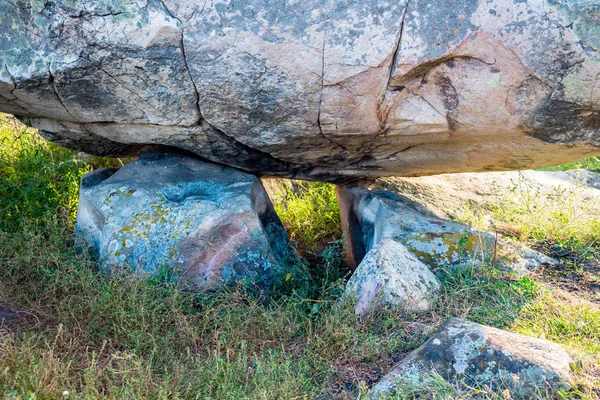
370 217
173 215
325 89
390 275
478 354
450 196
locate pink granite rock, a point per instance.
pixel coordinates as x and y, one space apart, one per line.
328 90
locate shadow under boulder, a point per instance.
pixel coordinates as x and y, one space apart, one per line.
169 214
8 318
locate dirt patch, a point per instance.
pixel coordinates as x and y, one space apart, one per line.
581 279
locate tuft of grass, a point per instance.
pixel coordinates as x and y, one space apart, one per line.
310 215
562 318
37 178
486 296
592 163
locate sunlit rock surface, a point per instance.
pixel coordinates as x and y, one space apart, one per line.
176 217
325 89
454 196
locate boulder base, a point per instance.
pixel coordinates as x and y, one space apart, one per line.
171 214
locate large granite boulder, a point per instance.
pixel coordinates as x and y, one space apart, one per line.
316 89
370 217
474 354
174 216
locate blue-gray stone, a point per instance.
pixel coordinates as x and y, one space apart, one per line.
172 215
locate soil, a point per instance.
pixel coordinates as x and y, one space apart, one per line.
575 275
8 318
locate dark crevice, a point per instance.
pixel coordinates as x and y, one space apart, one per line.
187 67
322 84
321 98
83 14
382 115
422 69
15 99
143 100
275 164
185 62
405 149
53 85
397 45
13 80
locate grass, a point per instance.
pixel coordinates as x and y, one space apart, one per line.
565 222
83 334
310 214
37 178
593 164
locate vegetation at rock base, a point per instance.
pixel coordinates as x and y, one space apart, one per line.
566 217
310 213
593 164
38 179
82 334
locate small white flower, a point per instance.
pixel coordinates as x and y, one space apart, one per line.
65 393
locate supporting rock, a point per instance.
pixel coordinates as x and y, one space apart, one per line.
371 216
463 351
171 214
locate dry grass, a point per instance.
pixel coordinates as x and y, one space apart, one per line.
82 334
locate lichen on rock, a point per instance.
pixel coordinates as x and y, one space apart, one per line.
473 354
199 223
372 216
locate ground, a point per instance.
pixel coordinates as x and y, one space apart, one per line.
71 332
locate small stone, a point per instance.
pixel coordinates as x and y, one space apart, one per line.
515 365
390 275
